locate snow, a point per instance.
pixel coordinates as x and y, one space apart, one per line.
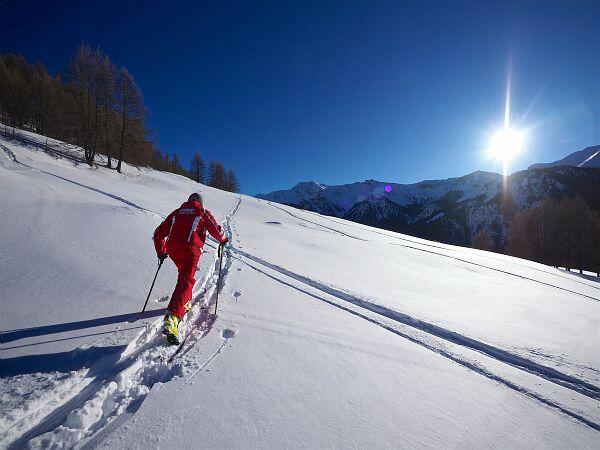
436 217
588 158
329 333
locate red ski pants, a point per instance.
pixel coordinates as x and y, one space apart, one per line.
186 260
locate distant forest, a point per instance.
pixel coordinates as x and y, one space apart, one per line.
563 233
96 106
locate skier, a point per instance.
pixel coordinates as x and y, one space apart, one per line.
181 236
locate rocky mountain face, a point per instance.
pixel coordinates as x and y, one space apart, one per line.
452 210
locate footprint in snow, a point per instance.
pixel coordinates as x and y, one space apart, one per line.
227 333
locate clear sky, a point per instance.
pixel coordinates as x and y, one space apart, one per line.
339 91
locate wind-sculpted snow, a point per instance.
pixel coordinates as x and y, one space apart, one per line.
329 333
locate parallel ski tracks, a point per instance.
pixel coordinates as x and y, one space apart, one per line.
547 373
383 232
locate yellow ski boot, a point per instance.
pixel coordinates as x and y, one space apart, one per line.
171 328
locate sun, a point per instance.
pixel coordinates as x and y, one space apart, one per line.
506 144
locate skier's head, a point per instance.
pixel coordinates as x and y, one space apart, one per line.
195 197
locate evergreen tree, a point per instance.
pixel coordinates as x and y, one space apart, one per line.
176 166
231 182
197 168
217 175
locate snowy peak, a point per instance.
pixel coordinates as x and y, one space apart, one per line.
309 185
450 210
587 158
304 191
309 188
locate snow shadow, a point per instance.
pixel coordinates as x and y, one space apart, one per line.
64 362
99 191
13 335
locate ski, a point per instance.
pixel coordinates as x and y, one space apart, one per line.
206 320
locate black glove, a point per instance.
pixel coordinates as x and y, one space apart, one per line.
162 257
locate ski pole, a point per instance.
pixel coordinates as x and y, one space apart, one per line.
160 262
219 279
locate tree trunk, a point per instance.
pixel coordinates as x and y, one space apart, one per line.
122 143
106 139
96 108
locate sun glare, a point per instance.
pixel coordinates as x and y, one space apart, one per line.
506 144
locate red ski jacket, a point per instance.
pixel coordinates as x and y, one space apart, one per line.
186 227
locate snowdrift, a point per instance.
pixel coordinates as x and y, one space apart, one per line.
328 333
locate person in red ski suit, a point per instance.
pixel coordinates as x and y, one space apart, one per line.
181 236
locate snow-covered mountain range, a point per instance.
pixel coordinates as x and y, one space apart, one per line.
451 210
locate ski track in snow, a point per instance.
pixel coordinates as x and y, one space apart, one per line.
12 156
93 402
9 153
417 241
530 367
315 223
459 259
503 356
548 373
471 365
227 334
505 272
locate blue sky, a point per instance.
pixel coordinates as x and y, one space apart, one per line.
342 91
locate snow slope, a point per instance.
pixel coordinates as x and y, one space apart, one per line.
329 333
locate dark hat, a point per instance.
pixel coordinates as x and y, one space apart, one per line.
195 197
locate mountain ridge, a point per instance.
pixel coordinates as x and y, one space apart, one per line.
589 157
451 210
